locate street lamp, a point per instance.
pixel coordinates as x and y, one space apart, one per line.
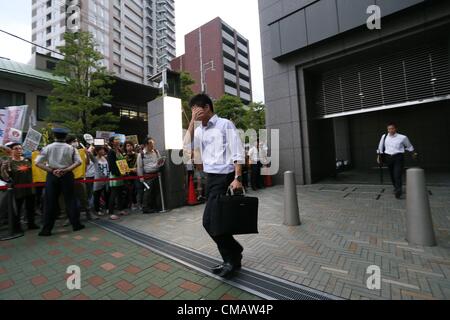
206 66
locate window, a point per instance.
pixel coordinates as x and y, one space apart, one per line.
49 29
49 43
49 17
42 108
50 65
49 3
11 98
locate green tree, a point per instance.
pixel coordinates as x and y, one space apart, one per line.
186 95
78 101
231 108
255 117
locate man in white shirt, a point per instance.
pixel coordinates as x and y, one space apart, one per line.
222 155
59 160
253 155
391 151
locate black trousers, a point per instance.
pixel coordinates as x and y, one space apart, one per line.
97 196
54 186
396 164
150 200
29 202
256 176
229 248
116 197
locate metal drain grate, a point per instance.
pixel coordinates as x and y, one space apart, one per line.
262 285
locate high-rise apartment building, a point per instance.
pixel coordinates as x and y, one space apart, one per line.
136 37
218 59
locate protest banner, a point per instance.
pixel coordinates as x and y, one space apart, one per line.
39 175
15 121
3 115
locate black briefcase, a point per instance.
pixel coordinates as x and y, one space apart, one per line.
237 214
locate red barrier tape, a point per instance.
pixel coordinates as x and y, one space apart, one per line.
34 185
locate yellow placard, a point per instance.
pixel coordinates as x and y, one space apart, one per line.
123 167
39 175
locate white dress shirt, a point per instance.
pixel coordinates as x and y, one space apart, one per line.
220 146
253 155
58 155
394 144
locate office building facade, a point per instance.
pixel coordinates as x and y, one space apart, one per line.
136 38
333 81
219 57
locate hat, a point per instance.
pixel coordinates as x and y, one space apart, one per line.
12 144
60 130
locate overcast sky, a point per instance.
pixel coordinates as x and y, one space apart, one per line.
15 17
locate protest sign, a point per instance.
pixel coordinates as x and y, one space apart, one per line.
134 139
3 115
104 135
123 167
32 140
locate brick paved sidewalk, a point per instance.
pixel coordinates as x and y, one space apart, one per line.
111 268
345 229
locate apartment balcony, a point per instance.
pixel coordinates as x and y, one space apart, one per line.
228 50
245 96
226 36
230 90
229 76
244 71
244 83
243 59
242 47
229 63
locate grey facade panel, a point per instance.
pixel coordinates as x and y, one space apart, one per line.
293 32
325 19
388 6
352 13
321 19
275 39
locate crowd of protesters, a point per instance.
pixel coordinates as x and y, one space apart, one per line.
97 196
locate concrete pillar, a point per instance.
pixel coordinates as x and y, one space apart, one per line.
291 211
419 224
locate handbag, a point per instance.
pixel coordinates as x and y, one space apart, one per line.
237 214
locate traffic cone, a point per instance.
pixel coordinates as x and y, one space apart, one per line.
192 197
268 181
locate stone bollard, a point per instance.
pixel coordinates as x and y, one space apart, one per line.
291 211
419 225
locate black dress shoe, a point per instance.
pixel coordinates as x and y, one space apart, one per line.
33 226
398 194
45 233
217 269
228 270
78 228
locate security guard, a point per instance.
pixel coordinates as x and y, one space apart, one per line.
59 160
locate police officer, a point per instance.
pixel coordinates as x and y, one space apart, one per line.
59 160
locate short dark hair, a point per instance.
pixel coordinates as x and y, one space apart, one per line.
128 143
60 136
393 124
201 100
70 139
147 140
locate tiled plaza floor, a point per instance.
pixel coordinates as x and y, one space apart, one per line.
111 268
345 229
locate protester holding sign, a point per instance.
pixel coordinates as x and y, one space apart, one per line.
101 189
59 160
115 155
134 189
18 171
